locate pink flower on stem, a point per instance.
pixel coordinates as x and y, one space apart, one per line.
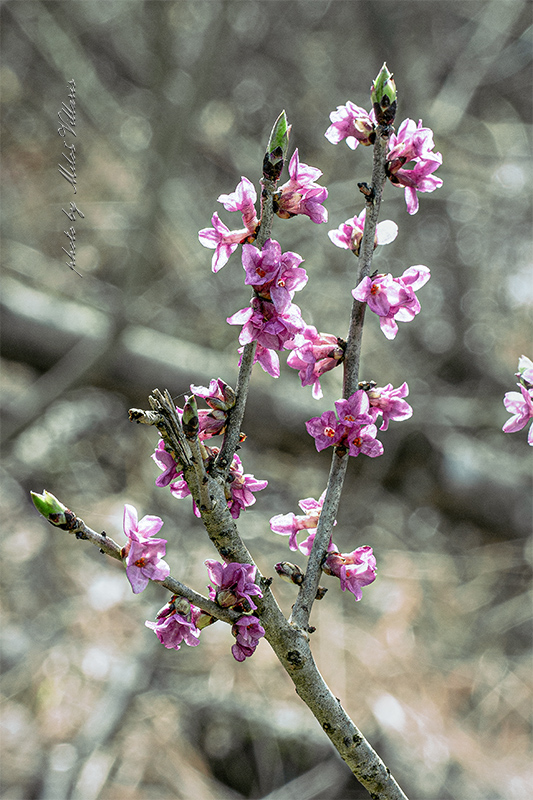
174 629
239 489
520 405
219 237
290 524
242 487
263 323
353 429
350 234
233 584
243 199
393 299
389 404
267 359
326 430
354 570
352 123
353 412
363 440
314 354
274 275
165 462
143 554
413 143
301 195
247 631
218 394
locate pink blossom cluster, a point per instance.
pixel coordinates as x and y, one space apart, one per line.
143 554
173 628
220 398
271 319
520 404
352 123
247 631
313 354
233 587
412 145
388 403
354 570
219 237
393 299
233 584
299 195
240 485
352 427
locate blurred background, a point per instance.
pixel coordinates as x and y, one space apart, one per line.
174 102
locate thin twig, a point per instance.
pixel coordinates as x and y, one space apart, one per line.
111 548
306 596
236 413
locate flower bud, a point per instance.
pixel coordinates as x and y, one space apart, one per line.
168 609
277 147
190 421
202 619
53 510
289 572
383 95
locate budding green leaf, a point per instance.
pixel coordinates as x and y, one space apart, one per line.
53 509
278 144
383 95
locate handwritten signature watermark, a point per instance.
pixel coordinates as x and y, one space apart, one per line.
67 118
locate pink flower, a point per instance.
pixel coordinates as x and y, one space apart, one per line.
266 358
223 241
174 629
239 490
388 403
263 323
301 195
353 430
242 199
363 440
313 354
355 569
326 430
520 405
415 144
233 584
290 524
350 234
353 412
411 142
242 487
218 394
393 299
164 461
219 237
142 554
247 631
352 123
274 275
